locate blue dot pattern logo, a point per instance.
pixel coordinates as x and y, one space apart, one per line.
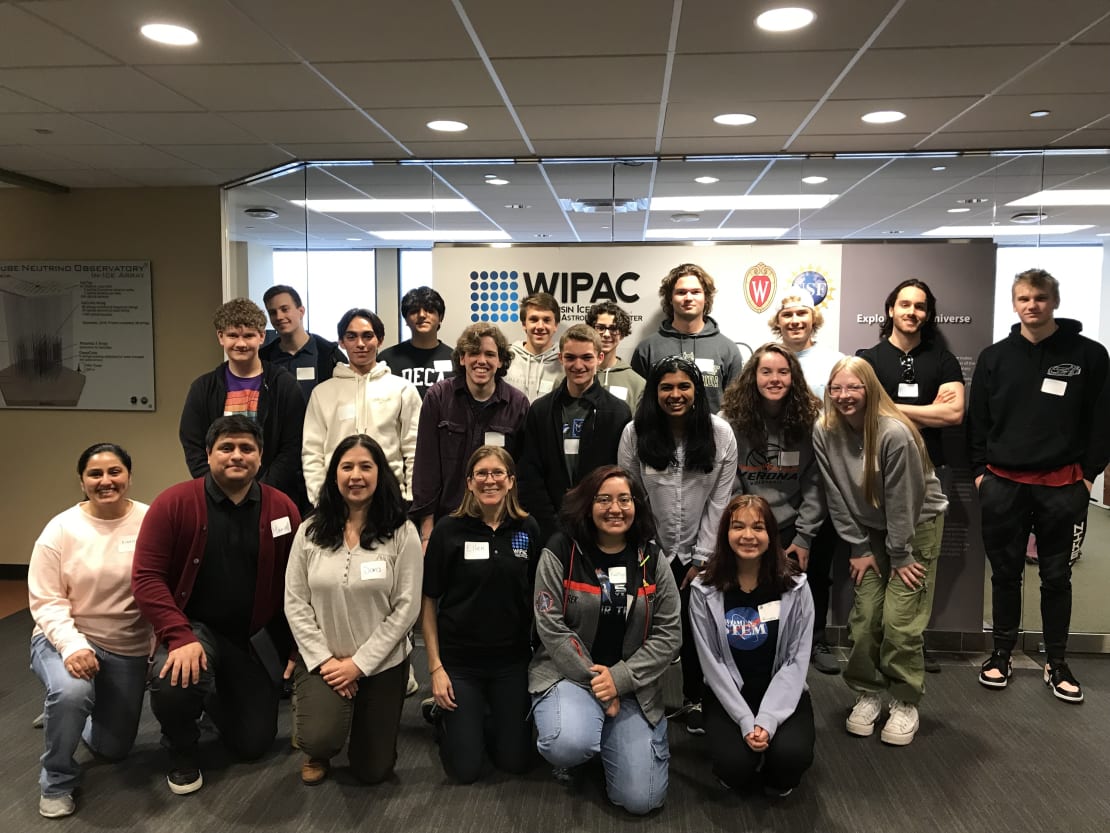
744 629
495 296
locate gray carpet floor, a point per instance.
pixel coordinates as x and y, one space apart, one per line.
983 762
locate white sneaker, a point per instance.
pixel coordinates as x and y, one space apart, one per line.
861 722
56 806
412 686
902 724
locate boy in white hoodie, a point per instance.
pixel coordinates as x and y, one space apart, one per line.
536 369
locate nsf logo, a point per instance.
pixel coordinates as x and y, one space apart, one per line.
494 296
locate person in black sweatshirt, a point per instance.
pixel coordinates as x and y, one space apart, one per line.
1037 440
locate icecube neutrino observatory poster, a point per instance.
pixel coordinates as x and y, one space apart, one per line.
77 335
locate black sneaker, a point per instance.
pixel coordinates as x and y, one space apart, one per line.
999 661
429 710
823 658
184 776
931 664
695 720
1056 675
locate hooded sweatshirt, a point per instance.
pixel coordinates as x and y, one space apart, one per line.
624 383
534 375
1040 407
378 403
716 356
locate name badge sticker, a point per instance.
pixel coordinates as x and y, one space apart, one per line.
1055 387
570 446
495 438
769 612
442 366
620 392
280 526
907 390
618 575
546 385
789 458
706 365
346 413
306 374
127 543
476 551
369 570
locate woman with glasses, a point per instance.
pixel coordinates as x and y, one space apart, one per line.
477 621
752 619
888 507
607 616
685 459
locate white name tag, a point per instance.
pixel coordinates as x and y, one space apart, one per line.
280 526
907 390
706 365
495 438
306 374
620 392
1056 387
769 612
371 569
345 412
789 458
442 366
476 550
618 575
127 543
546 386
570 446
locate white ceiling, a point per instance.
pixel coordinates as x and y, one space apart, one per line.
85 101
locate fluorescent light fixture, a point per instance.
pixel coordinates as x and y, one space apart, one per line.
501 245
387 206
353 239
1000 231
785 19
448 126
883 117
716 233
735 119
814 180
741 202
704 243
958 210
455 236
169 34
1103 234
706 180
1065 196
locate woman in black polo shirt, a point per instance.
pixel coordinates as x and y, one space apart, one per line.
477 621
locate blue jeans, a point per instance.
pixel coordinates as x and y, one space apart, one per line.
571 727
104 711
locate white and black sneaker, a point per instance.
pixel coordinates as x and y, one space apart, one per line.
1059 678
695 720
996 671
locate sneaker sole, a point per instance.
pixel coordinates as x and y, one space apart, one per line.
1063 695
996 684
185 789
57 814
897 740
860 730
692 731
829 666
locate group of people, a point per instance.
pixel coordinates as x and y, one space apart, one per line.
564 526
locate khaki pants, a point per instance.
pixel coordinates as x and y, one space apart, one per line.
888 619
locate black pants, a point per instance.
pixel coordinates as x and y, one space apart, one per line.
692 682
492 717
819 572
235 691
788 756
1058 516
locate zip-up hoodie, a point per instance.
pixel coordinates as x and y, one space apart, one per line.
788 681
534 375
624 383
567 603
378 403
710 346
908 496
1039 407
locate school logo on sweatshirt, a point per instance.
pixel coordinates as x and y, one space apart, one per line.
744 629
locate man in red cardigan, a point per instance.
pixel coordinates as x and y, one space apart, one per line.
209 575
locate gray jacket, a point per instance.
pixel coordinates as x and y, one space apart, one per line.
567 603
792 650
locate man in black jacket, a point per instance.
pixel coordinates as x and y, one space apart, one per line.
1037 439
570 431
309 357
247 386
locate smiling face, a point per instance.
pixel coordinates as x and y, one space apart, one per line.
1033 306
796 325
357 476
580 361
482 365
849 396
240 344
490 482
610 333
688 298
285 316
909 312
539 329
423 322
613 510
772 377
234 461
361 344
676 394
105 482
747 533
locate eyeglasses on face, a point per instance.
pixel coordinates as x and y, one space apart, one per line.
836 390
608 328
605 501
489 474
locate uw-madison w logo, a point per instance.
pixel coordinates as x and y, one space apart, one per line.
760 284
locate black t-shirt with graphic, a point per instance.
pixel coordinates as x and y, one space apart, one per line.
574 416
612 572
751 639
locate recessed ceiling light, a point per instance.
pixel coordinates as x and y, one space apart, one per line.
353 239
718 233
447 236
1028 218
497 181
43 131
706 180
814 180
388 206
883 117
1039 114
448 126
490 176
999 231
958 210
1065 196
940 167
685 217
260 213
741 202
785 19
735 119
169 34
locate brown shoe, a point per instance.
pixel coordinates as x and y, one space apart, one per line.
313 771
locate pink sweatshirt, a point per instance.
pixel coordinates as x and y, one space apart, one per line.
79 583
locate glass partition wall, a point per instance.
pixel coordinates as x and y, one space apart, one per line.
361 233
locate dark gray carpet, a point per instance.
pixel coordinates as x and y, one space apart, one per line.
1014 760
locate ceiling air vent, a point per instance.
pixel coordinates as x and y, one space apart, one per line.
603 205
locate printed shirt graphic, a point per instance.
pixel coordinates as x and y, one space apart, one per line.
609 637
744 629
574 416
751 641
520 544
773 465
242 395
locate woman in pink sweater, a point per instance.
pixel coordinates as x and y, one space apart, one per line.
90 644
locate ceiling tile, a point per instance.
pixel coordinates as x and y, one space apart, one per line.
93 89
73 178
923 115
1074 69
289 87
31 42
254 157
341 150
588 80
118 157
773 118
612 121
307 125
13 102
173 177
413 83
20 129
172 128
849 143
988 140
1011 112
410 124
15 158
732 82
488 148
987 22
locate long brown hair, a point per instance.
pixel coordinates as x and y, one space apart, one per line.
742 405
469 507
776 571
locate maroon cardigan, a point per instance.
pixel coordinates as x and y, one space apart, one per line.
170 549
